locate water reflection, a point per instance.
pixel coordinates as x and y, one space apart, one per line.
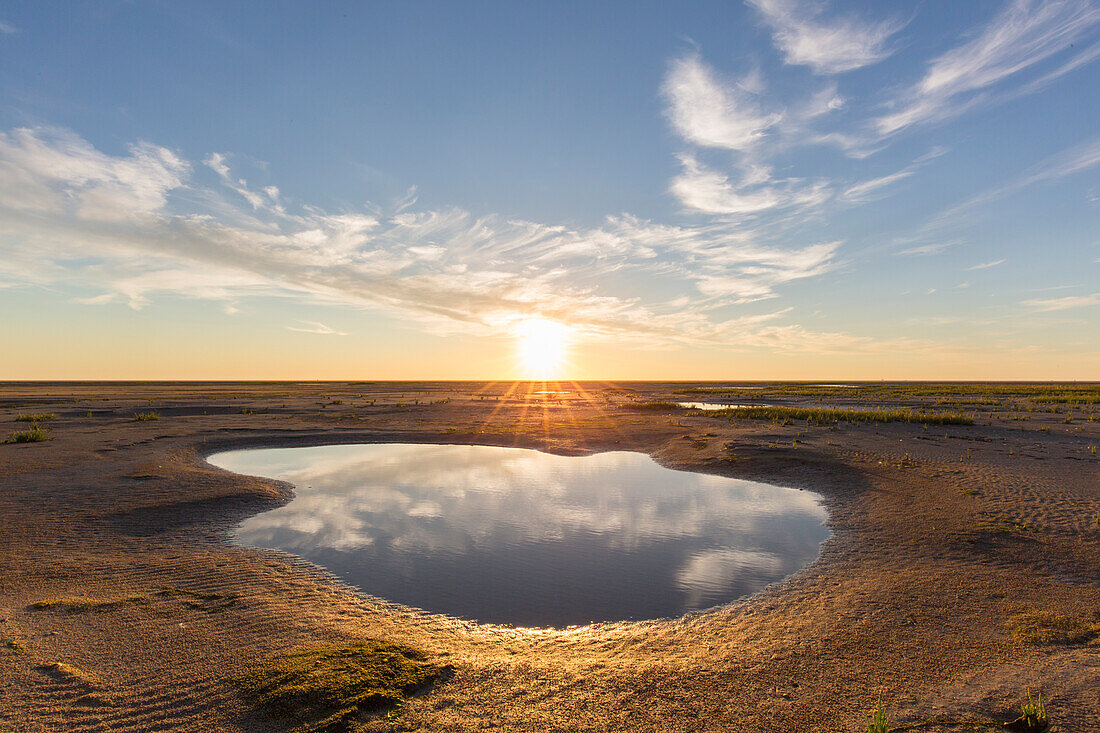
716 405
510 535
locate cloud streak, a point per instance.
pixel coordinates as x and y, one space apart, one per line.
1024 34
316 327
985 265
131 227
750 191
1066 303
872 190
827 46
1060 165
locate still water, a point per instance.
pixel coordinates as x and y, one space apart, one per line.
510 535
714 406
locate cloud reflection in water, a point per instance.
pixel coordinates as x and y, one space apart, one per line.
510 535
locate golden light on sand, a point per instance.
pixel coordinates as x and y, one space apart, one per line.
542 347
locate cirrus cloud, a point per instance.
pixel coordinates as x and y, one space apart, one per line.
147 223
827 46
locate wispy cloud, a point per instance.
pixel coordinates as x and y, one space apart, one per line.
935 320
933 248
1066 163
826 45
316 327
128 228
752 191
873 189
708 112
58 172
1066 303
878 188
1025 33
7 28
986 265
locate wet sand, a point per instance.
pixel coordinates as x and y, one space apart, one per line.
942 536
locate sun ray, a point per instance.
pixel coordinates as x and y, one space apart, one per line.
591 399
501 403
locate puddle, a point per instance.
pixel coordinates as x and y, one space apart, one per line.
516 536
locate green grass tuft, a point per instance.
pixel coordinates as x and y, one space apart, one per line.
35 417
327 688
1033 714
35 434
877 722
654 405
146 416
17 646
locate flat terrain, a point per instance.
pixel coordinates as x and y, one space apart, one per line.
964 566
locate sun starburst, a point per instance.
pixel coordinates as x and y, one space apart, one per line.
542 348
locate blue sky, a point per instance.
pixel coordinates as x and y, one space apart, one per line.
771 189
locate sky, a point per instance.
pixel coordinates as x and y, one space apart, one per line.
770 189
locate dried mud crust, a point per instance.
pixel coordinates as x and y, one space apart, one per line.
132 611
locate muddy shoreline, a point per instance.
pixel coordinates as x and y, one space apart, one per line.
944 536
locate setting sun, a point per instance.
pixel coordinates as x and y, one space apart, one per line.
541 347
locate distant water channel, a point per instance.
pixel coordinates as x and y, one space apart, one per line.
714 406
515 536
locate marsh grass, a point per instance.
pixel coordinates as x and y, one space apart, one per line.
34 434
823 415
877 722
995 396
1033 715
327 688
1047 627
1091 397
655 405
993 523
1033 718
36 417
146 416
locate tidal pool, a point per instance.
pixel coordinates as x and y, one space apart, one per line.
515 536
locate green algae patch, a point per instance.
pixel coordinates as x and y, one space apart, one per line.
328 688
88 605
198 601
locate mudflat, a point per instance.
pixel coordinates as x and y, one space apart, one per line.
963 568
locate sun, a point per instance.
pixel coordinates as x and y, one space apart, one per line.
542 346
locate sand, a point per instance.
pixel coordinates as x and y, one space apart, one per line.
942 536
